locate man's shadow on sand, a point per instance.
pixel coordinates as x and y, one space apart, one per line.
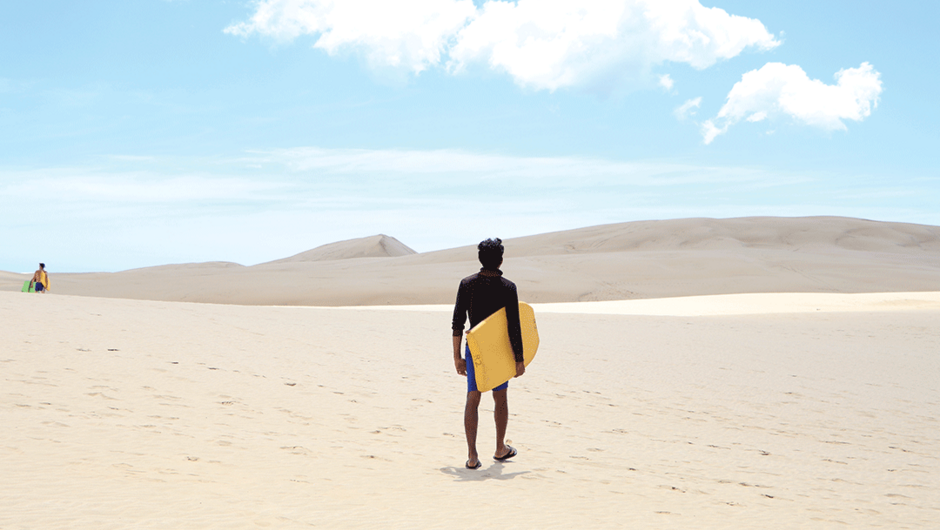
494 472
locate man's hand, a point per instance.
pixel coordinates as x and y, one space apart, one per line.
520 369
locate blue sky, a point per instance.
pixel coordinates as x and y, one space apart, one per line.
151 132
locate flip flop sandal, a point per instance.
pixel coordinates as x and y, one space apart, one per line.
512 452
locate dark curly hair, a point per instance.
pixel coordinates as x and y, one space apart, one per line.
490 253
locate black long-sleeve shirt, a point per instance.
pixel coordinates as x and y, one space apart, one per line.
483 294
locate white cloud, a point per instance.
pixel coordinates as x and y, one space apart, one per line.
666 82
410 35
785 90
549 45
688 108
540 44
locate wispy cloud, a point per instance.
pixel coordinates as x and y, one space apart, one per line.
688 108
473 167
543 45
133 211
106 188
130 211
778 90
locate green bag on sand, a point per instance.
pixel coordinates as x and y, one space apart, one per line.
27 288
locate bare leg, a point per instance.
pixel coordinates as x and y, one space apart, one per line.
501 414
471 419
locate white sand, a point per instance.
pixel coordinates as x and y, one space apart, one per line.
140 414
754 304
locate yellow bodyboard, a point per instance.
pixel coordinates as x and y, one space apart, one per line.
493 360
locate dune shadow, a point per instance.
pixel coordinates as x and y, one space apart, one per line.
494 472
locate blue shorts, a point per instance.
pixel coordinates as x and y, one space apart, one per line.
471 376
39 287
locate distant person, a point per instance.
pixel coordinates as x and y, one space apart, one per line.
479 296
41 279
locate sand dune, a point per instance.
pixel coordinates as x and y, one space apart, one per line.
649 259
141 414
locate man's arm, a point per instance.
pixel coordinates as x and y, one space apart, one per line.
459 362
460 316
515 330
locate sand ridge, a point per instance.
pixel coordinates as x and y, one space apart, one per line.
637 260
380 246
728 304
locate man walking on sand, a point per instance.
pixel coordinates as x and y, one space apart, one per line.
41 279
479 296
